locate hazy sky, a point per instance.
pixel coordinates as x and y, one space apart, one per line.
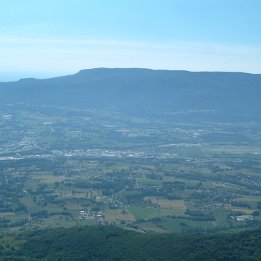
43 38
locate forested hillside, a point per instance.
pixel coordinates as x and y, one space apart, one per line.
111 243
204 95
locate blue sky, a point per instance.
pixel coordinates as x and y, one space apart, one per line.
45 38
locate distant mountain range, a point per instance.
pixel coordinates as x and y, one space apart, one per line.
153 93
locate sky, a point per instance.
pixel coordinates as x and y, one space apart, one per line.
47 38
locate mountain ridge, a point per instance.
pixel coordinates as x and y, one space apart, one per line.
143 90
83 71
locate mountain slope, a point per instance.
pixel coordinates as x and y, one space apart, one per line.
227 95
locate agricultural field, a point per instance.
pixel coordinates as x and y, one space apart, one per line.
65 167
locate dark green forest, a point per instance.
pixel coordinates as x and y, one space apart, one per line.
112 243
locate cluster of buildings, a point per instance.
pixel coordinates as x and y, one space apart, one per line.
90 215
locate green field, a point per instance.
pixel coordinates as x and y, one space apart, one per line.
100 167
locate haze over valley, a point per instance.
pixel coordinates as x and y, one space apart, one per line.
164 151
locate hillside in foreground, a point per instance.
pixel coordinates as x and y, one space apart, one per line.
111 243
